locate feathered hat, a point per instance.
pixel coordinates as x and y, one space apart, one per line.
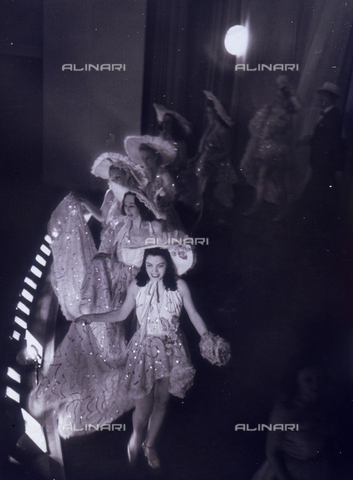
102 164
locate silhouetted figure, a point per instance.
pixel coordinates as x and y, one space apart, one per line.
175 129
301 453
326 159
213 168
269 154
154 154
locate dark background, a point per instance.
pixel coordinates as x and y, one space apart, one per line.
283 287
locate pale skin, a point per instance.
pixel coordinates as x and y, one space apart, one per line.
310 383
116 175
154 169
150 410
132 212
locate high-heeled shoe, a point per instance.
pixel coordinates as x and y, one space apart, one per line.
151 455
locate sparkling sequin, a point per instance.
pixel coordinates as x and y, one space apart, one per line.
159 351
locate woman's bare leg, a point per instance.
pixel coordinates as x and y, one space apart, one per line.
149 413
140 418
161 397
259 191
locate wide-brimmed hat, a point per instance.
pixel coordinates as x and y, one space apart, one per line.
161 110
331 88
102 164
181 252
183 257
165 149
218 107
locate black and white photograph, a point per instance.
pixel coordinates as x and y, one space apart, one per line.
177 239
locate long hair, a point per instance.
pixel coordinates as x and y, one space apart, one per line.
169 279
145 214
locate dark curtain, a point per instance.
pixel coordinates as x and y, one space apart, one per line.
185 54
328 55
84 110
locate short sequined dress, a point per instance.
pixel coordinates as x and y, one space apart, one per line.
158 349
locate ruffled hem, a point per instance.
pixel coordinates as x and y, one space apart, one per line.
85 382
155 358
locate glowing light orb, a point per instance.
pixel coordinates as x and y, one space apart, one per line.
236 40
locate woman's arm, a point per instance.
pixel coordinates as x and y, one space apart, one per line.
114 315
168 191
275 457
274 445
99 213
194 316
95 211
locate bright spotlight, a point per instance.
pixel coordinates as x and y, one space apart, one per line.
45 250
16 335
34 430
31 283
13 374
48 239
20 322
11 393
28 296
36 271
41 260
236 40
21 306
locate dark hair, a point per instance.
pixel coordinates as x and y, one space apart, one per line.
146 148
176 129
287 95
145 214
289 383
169 278
117 167
210 104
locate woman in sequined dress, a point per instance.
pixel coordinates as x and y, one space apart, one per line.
268 163
93 352
154 155
122 176
109 275
72 246
84 383
175 129
158 364
213 167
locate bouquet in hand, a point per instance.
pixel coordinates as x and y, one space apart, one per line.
215 349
